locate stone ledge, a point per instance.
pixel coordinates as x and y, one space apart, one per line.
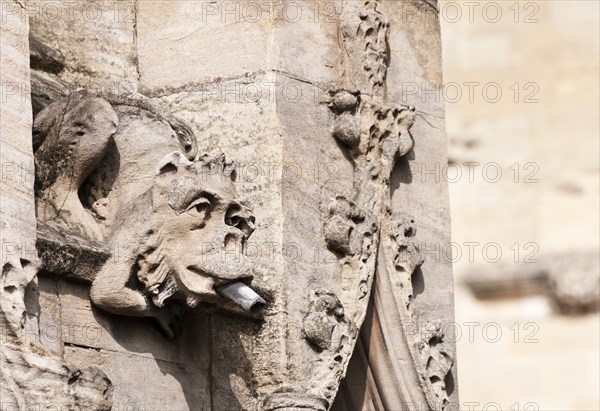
68 255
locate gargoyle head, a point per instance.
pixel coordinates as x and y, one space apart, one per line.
174 227
197 232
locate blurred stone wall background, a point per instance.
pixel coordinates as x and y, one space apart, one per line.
522 106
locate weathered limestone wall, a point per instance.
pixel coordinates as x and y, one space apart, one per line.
97 41
309 100
32 377
18 207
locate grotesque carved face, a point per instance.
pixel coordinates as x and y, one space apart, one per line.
176 232
199 232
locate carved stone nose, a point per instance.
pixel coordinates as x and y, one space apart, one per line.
240 217
234 240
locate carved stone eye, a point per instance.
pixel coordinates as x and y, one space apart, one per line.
200 206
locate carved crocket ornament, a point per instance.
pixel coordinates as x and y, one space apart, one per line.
129 178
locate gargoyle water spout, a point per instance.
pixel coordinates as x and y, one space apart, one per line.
244 297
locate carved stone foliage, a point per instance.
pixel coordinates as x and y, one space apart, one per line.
409 255
329 331
352 227
437 359
359 227
432 357
406 254
365 33
373 136
32 377
323 319
362 230
150 217
18 273
347 226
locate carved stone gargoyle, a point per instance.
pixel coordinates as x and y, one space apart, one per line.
124 182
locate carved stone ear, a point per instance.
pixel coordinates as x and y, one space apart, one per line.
186 137
172 162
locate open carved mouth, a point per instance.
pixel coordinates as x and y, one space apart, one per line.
237 292
172 288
